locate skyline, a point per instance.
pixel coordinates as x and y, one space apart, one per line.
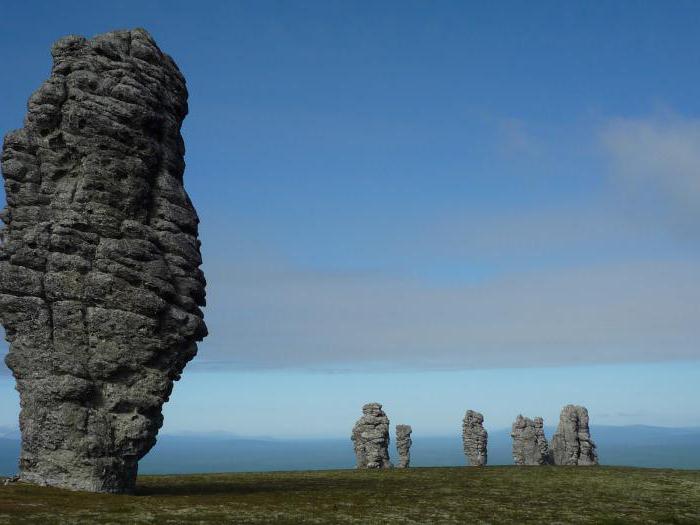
394 195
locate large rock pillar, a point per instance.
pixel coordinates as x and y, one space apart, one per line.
370 437
572 443
530 445
100 285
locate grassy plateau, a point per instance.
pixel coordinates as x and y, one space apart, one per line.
416 495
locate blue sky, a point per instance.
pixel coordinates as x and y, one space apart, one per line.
429 204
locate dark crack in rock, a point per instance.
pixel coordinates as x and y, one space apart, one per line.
572 443
403 445
100 285
474 438
370 437
529 442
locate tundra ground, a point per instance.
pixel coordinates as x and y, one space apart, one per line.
415 496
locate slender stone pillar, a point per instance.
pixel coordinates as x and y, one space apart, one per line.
403 445
474 438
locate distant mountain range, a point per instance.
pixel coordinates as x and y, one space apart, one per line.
640 446
9 432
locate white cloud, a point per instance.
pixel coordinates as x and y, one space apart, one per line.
609 313
656 162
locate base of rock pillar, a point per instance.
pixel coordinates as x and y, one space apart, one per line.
105 475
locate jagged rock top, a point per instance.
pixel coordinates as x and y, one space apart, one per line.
572 443
100 285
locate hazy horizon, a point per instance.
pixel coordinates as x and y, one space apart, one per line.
173 454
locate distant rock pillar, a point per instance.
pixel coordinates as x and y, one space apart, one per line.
572 443
370 437
529 442
474 438
403 445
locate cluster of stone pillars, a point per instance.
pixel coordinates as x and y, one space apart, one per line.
571 443
370 437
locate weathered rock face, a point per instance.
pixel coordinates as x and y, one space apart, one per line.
474 438
403 445
529 442
100 284
572 443
370 437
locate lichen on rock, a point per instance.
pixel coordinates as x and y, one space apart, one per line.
100 285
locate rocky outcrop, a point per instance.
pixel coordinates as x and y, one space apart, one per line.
370 437
100 286
572 443
529 442
403 445
474 438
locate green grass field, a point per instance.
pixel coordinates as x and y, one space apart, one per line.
420 495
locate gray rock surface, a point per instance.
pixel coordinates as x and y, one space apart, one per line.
100 284
370 437
529 442
403 445
474 438
572 443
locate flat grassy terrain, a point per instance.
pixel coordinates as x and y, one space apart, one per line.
417 495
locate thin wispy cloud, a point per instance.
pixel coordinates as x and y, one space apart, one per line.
656 163
609 313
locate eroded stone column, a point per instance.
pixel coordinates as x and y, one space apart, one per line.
530 445
572 443
474 438
100 285
370 437
403 445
